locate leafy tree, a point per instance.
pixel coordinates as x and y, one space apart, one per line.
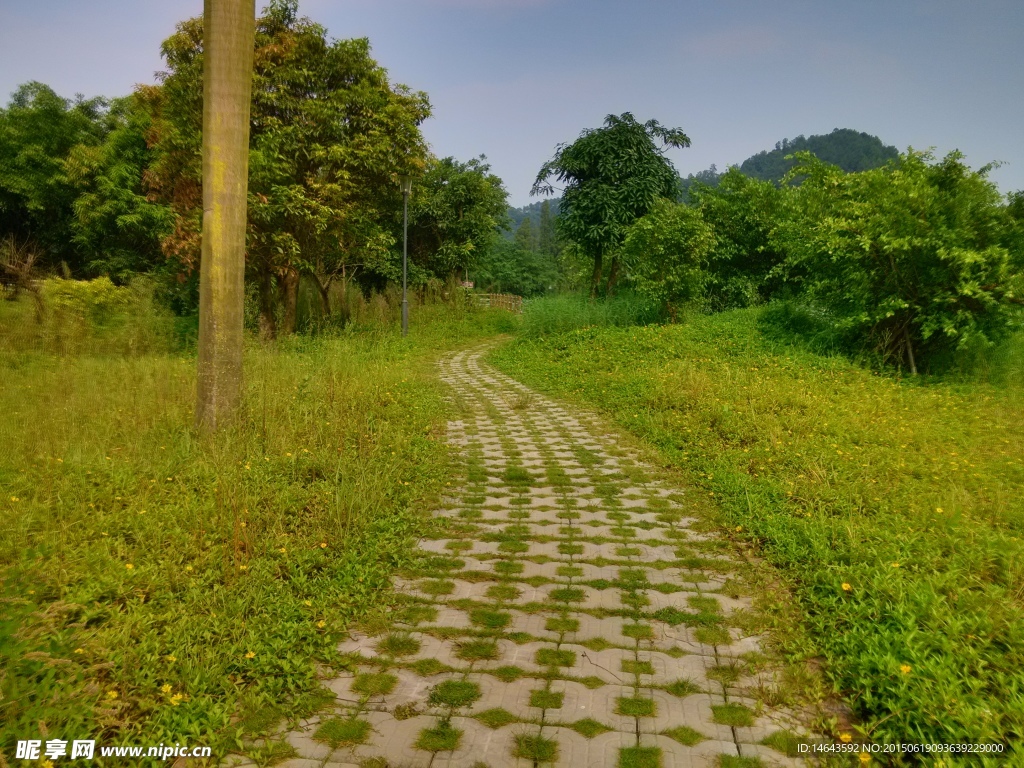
115 226
455 213
508 268
743 213
666 252
613 175
525 238
38 130
909 257
329 133
547 241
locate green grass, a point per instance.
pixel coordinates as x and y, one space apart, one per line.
783 741
555 657
157 584
635 706
732 714
508 674
490 619
478 650
503 592
443 737
907 490
589 728
342 732
685 735
562 625
681 688
640 757
399 644
374 684
558 314
536 748
546 699
496 718
454 694
633 667
428 667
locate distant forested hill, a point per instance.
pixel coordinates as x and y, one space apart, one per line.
849 149
531 212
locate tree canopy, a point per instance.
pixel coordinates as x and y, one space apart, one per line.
612 176
329 134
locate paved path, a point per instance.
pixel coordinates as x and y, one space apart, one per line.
570 616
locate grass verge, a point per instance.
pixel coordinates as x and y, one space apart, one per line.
157 586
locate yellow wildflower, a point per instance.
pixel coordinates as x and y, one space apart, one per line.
129 566
905 669
845 737
175 699
250 655
307 602
846 586
321 624
172 658
166 688
111 694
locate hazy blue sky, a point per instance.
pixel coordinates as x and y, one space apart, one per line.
513 78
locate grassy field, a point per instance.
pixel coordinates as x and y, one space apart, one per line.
893 508
158 587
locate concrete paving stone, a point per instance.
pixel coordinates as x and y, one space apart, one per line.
523 656
479 744
300 762
693 711
740 645
447 617
599 752
394 740
676 600
704 754
769 757
533 624
668 669
304 746
434 648
606 664
580 702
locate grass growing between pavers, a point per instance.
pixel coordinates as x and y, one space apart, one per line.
342 732
906 491
160 585
454 694
640 757
496 718
443 737
685 735
536 748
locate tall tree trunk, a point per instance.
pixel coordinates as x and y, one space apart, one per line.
268 315
228 31
910 350
595 279
289 283
324 287
613 276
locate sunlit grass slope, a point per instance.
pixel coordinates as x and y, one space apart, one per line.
155 586
894 508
